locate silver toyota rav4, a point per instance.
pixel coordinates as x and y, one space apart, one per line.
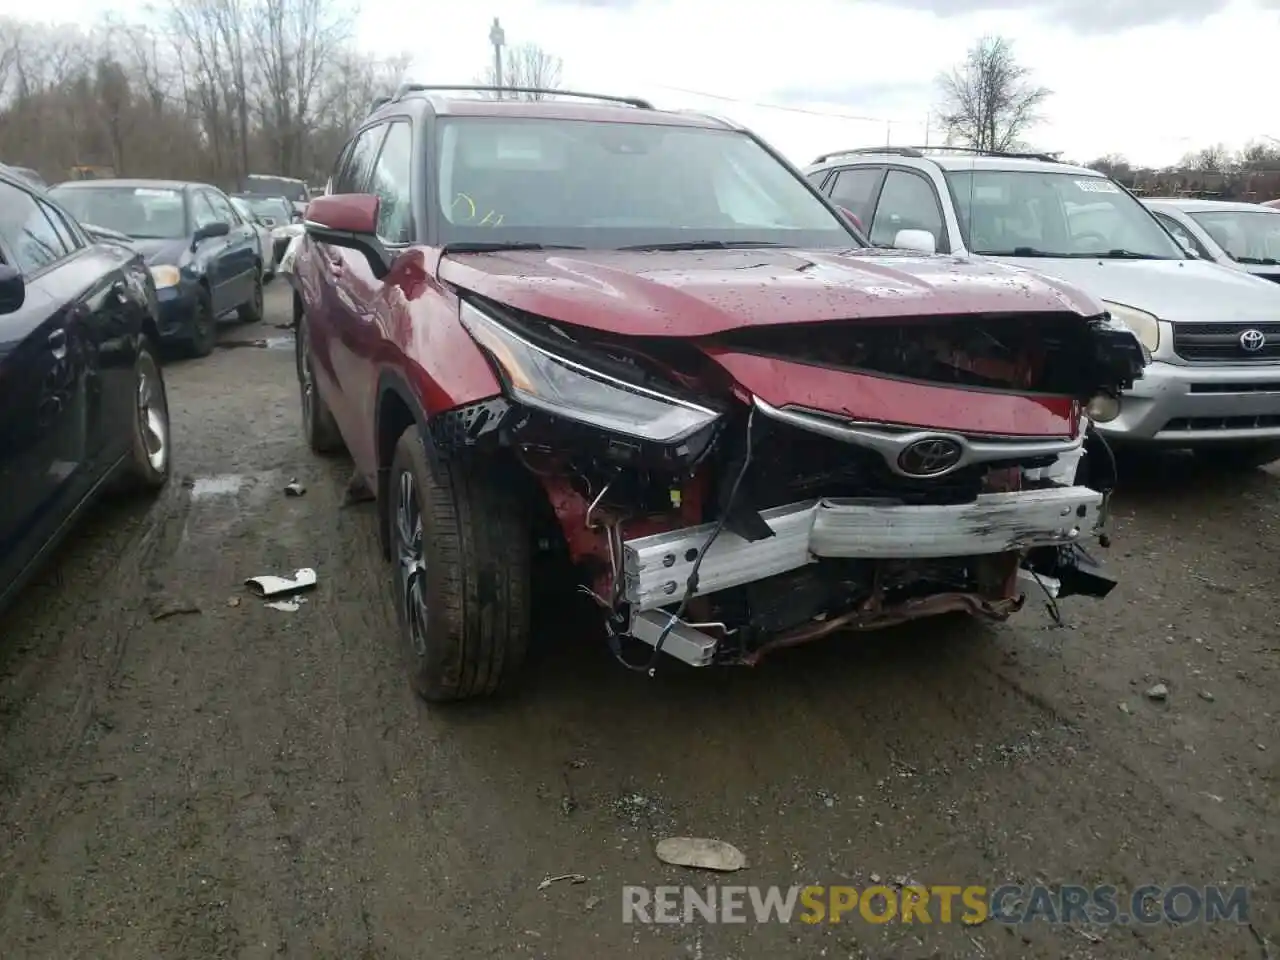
1213 333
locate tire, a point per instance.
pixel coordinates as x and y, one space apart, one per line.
204 326
147 469
1240 456
461 549
318 425
251 312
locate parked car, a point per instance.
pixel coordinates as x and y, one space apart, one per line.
641 339
266 243
82 396
203 255
266 185
1213 334
1243 236
279 214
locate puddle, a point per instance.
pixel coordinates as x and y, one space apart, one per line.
270 343
219 486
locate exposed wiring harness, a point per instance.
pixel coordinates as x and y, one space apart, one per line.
691 585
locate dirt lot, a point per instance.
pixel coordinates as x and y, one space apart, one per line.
187 773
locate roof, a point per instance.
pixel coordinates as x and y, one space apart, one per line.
963 161
1190 205
151 184
581 107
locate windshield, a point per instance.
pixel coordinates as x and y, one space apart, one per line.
140 212
1035 213
607 185
270 208
1245 236
294 190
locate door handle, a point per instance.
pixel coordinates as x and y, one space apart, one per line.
120 292
58 343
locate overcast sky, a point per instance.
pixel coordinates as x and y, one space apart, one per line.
1148 79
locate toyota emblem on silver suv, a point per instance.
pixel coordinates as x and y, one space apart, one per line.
930 457
1253 340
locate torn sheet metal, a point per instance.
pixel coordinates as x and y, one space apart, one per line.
271 586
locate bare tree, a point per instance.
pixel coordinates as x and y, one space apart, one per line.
294 42
1114 165
1214 159
526 65
219 88
989 101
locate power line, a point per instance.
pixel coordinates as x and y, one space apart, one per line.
777 106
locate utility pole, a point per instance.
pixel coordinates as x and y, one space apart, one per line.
497 38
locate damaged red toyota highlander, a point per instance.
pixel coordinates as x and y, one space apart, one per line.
641 339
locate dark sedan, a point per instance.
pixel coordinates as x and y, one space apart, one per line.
82 398
204 257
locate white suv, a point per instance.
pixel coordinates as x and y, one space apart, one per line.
1213 333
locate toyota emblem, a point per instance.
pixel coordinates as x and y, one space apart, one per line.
1252 341
930 457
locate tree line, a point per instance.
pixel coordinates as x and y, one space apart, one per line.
207 90
211 90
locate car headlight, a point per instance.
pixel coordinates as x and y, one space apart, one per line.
1144 325
165 276
557 385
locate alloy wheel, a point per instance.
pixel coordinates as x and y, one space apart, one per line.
411 562
153 416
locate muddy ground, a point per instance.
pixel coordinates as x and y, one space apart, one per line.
187 773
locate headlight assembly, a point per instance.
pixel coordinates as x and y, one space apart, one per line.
165 276
565 388
1144 325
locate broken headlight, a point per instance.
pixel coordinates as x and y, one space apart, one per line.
1144 326
539 378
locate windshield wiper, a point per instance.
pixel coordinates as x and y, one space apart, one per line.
1018 252
1120 254
702 245
496 246
1259 261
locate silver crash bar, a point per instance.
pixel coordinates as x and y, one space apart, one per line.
656 568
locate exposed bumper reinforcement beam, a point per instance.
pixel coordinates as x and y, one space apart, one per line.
657 567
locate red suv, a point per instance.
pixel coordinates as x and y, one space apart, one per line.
641 340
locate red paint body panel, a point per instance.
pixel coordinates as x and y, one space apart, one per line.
864 396
698 294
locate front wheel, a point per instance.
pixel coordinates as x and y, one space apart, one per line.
462 567
204 326
1240 456
147 468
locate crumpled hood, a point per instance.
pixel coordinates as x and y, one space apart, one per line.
680 293
1192 290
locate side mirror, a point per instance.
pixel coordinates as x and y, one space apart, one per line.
349 220
919 240
210 230
13 289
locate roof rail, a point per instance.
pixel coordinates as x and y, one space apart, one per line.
407 88
892 151
924 151
378 102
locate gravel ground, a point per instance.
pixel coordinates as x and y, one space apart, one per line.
185 772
